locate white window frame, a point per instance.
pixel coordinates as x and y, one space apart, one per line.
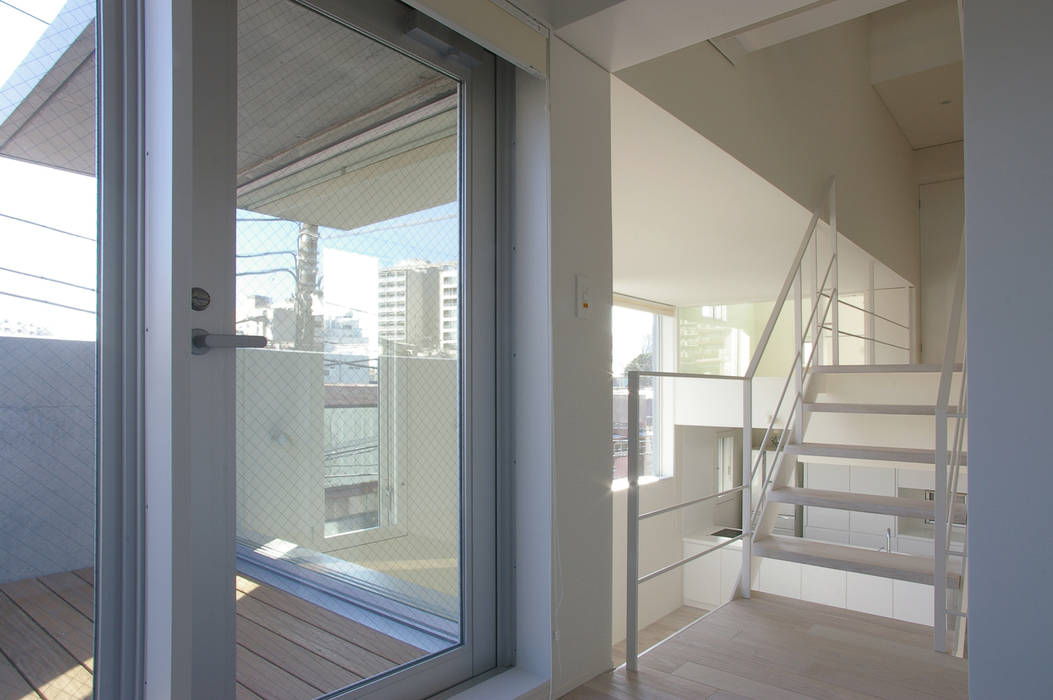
664 400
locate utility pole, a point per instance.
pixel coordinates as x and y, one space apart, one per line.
306 280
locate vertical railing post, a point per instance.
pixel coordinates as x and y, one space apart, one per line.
798 370
817 347
632 555
747 486
835 355
912 312
939 544
869 326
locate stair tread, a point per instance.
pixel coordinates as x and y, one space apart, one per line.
903 567
884 408
870 369
889 454
861 502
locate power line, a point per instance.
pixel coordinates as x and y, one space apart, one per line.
270 252
392 227
47 279
27 14
49 303
50 228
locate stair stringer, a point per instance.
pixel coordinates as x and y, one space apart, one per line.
784 471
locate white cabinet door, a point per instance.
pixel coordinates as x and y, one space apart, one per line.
823 586
869 594
780 578
701 578
912 602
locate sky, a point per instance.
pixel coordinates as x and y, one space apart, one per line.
633 333
21 24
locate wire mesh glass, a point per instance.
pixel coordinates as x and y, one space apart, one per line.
348 257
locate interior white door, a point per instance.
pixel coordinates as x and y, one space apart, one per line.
320 431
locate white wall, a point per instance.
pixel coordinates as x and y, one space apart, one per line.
660 544
942 215
580 117
533 390
47 456
1009 210
797 113
562 397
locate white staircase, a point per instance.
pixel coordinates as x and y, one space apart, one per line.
898 417
835 412
825 418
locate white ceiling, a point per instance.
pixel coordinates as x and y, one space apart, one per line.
633 31
692 225
808 20
927 105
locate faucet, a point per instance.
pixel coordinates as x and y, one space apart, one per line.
887 547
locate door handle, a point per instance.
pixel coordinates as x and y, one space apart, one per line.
201 341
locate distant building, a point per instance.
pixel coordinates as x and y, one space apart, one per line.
417 303
450 291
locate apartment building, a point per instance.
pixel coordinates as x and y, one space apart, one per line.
668 152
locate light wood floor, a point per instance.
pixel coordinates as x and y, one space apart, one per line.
776 648
287 648
657 631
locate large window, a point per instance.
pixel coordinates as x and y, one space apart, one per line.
715 339
640 341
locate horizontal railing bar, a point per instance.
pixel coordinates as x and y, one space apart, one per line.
808 368
678 506
872 313
863 337
685 375
779 450
688 560
771 424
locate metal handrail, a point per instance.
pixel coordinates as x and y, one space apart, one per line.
867 338
795 267
815 326
687 560
781 446
692 502
633 580
793 369
941 529
868 311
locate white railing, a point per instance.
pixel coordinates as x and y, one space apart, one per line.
946 483
633 578
822 321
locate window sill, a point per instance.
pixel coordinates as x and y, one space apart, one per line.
623 484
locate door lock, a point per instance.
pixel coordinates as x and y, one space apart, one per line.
201 341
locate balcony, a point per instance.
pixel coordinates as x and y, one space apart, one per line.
287 647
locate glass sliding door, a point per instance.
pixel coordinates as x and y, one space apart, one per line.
353 424
319 288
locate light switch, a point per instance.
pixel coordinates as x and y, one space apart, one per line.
584 296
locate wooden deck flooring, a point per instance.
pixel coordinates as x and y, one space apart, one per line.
783 649
287 648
